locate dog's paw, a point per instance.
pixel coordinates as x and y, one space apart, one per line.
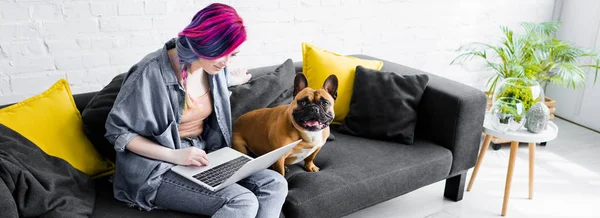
311 168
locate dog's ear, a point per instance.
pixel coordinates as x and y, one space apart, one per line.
331 85
300 83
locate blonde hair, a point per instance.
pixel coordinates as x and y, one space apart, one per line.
188 102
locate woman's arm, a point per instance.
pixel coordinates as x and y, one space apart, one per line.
138 113
186 156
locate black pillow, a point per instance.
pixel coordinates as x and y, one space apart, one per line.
269 90
95 113
384 105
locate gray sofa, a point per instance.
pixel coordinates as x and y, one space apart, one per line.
358 172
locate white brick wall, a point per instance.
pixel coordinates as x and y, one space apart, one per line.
90 41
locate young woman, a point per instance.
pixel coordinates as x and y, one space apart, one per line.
172 109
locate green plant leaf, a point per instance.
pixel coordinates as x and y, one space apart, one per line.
596 71
569 75
533 54
494 83
468 56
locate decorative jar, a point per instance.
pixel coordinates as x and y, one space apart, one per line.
527 90
508 114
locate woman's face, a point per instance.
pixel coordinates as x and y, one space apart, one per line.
212 67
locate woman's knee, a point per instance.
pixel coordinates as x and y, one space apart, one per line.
276 183
246 202
280 183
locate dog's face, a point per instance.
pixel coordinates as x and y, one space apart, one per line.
312 110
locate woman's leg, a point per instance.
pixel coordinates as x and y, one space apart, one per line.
181 194
270 189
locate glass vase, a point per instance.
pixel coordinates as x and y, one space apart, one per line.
508 114
527 90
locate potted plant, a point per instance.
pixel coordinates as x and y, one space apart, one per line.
535 54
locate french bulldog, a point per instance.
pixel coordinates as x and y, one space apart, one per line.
307 117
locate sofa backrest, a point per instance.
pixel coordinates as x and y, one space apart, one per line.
256 72
82 99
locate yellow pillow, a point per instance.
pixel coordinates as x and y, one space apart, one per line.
318 64
52 122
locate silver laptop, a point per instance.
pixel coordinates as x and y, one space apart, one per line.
227 166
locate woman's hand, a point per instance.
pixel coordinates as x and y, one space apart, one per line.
239 76
189 156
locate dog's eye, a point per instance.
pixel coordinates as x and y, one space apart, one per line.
325 104
302 103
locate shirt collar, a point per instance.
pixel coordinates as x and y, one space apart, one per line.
168 74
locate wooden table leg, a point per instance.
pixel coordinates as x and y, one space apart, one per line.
484 147
531 166
511 166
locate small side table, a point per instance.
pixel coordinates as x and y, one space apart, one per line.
522 135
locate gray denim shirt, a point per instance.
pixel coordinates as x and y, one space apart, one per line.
150 104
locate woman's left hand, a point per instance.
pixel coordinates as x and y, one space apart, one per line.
239 76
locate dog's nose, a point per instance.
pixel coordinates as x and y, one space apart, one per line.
314 109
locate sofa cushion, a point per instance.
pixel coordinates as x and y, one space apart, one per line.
266 90
52 121
356 173
462 108
95 113
396 98
318 64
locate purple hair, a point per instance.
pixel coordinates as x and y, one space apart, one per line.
215 31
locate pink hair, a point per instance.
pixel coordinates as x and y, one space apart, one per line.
215 31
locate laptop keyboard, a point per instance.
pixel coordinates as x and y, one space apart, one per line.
222 172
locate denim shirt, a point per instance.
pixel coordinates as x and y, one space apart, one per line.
150 104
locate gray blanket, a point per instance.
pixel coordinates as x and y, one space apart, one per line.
34 184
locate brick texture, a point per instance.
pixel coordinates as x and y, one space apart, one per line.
89 41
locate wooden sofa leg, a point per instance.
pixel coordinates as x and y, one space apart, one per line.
455 186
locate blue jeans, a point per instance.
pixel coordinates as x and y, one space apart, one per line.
259 195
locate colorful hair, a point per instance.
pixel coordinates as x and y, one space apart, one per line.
215 31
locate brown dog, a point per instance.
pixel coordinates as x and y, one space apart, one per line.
307 118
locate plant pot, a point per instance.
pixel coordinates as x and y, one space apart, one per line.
489 101
551 105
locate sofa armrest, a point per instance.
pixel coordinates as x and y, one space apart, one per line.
450 114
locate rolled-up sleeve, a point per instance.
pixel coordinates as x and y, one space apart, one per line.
138 109
123 139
